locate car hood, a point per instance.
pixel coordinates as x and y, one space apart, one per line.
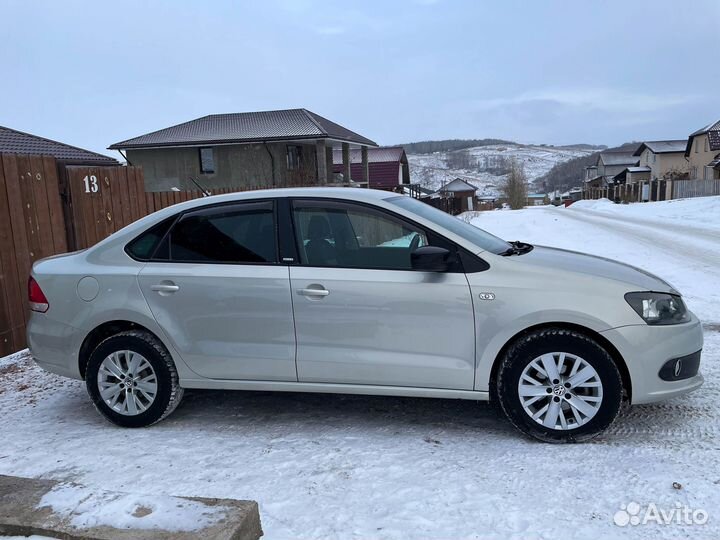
572 261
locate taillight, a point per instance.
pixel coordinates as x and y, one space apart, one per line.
37 299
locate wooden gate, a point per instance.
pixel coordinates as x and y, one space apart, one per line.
31 227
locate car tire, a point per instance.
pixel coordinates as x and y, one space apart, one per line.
132 380
543 408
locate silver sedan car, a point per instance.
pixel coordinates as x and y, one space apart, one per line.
360 292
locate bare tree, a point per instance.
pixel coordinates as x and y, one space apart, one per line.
515 186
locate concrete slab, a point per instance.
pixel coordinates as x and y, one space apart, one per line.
71 511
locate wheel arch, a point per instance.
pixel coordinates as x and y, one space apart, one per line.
602 341
102 332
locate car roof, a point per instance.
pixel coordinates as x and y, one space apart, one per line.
357 194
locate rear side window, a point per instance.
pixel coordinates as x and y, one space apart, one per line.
243 233
144 246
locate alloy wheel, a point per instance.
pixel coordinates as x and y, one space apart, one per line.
560 391
127 382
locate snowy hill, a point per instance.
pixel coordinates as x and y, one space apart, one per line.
484 166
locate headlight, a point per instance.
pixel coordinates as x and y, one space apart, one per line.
658 308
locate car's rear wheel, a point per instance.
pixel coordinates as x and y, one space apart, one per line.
132 379
559 385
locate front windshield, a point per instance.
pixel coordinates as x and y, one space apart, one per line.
484 240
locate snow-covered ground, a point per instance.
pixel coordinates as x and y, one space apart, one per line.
324 466
432 170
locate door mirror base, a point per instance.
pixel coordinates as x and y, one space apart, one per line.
430 259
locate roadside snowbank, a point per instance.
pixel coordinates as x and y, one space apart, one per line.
700 211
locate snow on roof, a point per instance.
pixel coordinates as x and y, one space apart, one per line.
662 147
457 185
618 158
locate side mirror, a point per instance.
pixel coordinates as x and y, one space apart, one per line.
430 259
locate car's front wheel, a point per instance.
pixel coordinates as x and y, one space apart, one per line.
559 385
132 379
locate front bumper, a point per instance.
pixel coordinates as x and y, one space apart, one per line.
646 349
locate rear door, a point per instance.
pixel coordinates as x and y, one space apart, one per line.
216 288
362 315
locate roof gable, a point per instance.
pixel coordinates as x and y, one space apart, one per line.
19 142
618 158
457 185
245 128
713 133
662 147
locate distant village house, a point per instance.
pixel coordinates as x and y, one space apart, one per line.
388 166
702 151
247 150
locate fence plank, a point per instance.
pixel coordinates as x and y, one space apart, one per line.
139 183
17 219
124 197
12 318
84 213
94 204
116 206
129 180
57 221
105 179
42 209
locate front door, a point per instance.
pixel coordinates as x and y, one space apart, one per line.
218 292
363 316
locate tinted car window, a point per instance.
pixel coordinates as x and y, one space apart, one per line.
353 236
482 239
231 234
144 246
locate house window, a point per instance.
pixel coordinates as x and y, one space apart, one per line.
707 147
207 161
697 145
653 156
294 157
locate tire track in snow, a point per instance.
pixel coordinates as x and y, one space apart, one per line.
649 235
693 231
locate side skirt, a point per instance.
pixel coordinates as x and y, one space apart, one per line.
328 388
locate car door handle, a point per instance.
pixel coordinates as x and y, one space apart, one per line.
313 292
164 287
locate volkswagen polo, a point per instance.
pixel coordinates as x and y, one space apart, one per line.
357 291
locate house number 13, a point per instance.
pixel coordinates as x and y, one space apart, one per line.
91 184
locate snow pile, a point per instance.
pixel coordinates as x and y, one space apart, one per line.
701 212
590 204
92 508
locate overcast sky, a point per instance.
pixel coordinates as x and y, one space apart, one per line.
93 73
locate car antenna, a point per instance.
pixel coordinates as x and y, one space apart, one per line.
205 192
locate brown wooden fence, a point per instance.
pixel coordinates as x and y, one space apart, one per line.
102 200
31 227
47 208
